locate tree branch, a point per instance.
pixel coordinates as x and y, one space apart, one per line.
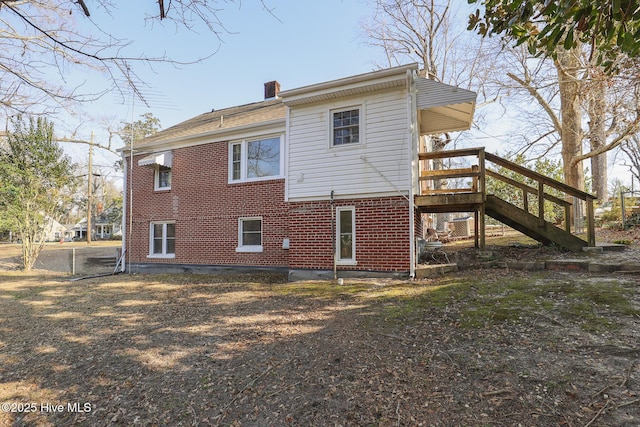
541 100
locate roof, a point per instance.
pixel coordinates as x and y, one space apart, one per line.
218 122
354 85
443 108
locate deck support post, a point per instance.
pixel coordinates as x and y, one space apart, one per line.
540 204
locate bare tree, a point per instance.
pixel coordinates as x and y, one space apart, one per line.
43 42
578 110
425 32
632 149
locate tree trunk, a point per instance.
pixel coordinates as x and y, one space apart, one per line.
567 65
597 136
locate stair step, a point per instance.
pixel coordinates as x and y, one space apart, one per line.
611 247
528 224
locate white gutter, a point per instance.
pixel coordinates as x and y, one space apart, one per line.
207 137
356 80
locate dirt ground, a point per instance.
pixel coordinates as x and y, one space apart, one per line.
482 347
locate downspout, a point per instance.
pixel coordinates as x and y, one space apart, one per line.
334 238
125 201
413 145
130 229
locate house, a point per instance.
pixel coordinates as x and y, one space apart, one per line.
54 231
102 229
318 180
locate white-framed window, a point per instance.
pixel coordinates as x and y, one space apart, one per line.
346 235
162 178
254 160
162 239
346 126
249 234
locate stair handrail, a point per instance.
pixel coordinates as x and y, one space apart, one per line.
545 180
542 180
565 188
476 173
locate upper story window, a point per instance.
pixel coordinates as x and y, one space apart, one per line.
162 178
255 160
345 126
161 164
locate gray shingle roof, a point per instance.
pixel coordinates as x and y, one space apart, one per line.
223 120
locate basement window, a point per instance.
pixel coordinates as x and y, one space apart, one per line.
162 240
249 234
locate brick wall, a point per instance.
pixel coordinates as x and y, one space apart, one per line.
382 234
206 209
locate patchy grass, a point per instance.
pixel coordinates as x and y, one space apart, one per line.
474 348
591 304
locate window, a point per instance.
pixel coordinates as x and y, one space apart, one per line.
345 127
249 235
163 178
162 240
255 160
236 161
345 236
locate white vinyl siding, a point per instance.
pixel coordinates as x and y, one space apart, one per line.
378 165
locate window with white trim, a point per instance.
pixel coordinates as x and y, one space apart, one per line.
249 234
255 159
162 178
345 126
346 235
162 239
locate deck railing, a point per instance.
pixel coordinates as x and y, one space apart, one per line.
478 174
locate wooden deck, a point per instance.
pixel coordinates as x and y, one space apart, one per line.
474 198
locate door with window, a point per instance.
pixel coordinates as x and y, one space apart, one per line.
346 235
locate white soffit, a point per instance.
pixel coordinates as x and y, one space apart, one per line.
161 159
443 108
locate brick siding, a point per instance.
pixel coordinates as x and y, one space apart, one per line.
206 209
382 234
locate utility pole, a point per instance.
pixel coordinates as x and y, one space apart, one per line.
89 190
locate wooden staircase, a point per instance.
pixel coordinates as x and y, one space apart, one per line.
473 197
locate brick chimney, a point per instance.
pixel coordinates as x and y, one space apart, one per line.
271 90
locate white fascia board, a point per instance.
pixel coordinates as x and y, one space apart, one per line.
218 135
376 80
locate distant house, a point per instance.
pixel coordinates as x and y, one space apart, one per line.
54 231
103 229
309 180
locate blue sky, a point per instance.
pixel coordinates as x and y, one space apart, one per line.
305 42
300 43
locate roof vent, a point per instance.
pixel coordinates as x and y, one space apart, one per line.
271 90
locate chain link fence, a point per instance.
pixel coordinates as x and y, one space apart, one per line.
80 261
